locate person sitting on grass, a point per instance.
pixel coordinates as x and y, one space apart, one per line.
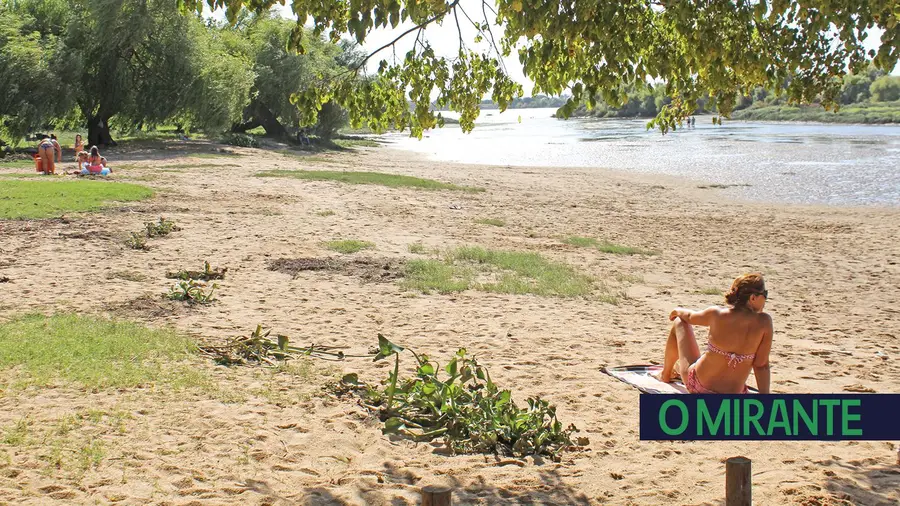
95 164
740 339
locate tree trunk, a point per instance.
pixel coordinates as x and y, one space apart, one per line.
98 132
240 128
260 115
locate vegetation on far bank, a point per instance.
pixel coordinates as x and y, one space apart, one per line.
865 112
47 199
867 97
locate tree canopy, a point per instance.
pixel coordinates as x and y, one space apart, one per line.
145 63
717 50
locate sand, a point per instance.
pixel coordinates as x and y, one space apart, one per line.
263 437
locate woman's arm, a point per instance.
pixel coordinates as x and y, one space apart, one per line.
703 318
761 362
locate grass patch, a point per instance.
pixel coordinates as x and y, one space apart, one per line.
18 164
349 246
46 199
215 155
93 352
710 291
356 143
327 212
174 168
510 272
629 278
416 248
377 178
491 221
605 246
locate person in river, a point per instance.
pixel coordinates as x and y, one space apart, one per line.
740 339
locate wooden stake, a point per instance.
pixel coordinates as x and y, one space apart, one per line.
737 482
436 496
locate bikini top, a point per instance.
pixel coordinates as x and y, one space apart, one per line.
733 358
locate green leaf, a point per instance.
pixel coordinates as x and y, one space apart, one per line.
350 379
282 342
393 425
386 348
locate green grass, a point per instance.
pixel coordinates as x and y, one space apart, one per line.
605 246
17 164
93 352
215 155
509 272
327 212
416 248
356 143
349 246
439 276
45 199
377 178
711 291
491 221
199 165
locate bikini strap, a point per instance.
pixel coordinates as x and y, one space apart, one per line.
733 358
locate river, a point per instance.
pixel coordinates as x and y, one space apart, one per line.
857 165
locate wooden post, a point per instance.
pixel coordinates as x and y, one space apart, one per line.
436 496
737 482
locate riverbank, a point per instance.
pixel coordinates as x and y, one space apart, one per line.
864 113
277 437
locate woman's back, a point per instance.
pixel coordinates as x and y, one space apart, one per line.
734 338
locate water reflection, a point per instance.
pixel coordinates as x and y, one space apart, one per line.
804 163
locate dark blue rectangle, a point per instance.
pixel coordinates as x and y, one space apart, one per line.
782 417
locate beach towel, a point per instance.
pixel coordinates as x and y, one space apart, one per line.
641 377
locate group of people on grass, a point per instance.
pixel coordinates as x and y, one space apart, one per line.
89 163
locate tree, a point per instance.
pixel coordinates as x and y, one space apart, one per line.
31 89
138 61
715 49
280 73
885 89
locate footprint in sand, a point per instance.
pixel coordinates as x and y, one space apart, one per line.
856 387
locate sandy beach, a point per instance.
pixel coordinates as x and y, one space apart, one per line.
264 437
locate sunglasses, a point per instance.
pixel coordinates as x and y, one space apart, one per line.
764 293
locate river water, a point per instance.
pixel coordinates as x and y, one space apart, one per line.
856 165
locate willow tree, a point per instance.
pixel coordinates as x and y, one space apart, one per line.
720 49
280 73
142 62
31 90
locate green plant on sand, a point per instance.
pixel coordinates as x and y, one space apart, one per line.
207 274
349 246
464 407
192 292
160 228
137 241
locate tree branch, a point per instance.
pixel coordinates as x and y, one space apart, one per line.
420 26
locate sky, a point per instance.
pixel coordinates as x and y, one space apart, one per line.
445 40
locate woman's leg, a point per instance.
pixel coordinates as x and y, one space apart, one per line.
46 159
688 351
681 351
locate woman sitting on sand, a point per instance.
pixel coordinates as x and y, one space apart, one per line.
95 165
740 338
